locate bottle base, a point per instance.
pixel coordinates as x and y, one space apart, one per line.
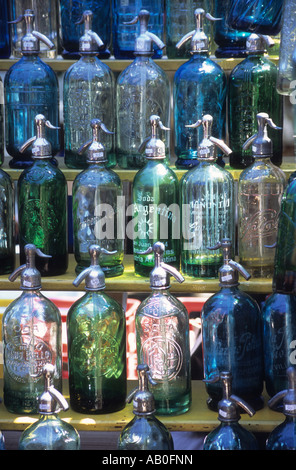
75 55
257 403
23 164
201 271
230 53
109 271
131 162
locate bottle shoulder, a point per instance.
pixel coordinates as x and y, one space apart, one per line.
31 303
95 304
161 305
262 170
42 172
97 175
89 69
155 172
205 171
140 71
198 67
230 300
252 65
29 71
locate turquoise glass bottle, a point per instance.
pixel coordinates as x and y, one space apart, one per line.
5 49
162 336
42 203
232 336
98 207
96 332
262 17
50 432
155 205
32 337
285 78
207 200
144 431
249 93
88 93
230 435
7 224
200 84
30 88
142 89
259 195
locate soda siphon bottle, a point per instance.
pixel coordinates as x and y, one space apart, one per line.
144 431
96 345
207 198
5 48
7 224
232 336
98 207
262 17
230 435
142 89
30 88
199 84
70 13
50 432
155 205
162 336
259 193
249 93
42 204
89 90
123 37
32 337
287 46
283 436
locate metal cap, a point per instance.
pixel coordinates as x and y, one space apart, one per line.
144 42
94 275
288 396
51 397
257 43
30 276
261 143
30 42
143 400
96 152
41 148
90 42
154 147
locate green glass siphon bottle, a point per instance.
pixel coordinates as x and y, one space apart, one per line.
96 332
7 223
42 204
155 205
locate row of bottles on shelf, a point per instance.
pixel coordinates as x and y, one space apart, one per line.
90 91
232 327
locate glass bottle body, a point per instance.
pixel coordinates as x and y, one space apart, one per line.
30 88
71 32
207 195
142 89
232 341
256 16
260 191
42 202
162 335
97 354
230 436
89 93
145 433
283 437
124 36
49 433
287 47
157 215
5 49
200 85
249 88
32 337
98 218
7 235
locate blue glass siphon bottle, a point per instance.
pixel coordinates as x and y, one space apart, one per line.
32 337
200 84
50 432
230 435
30 88
142 89
89 93
232 336
156 211
162 335
207 200
144 431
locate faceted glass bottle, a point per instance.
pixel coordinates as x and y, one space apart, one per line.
7 230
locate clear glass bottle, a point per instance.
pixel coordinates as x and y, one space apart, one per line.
30 88
50 432
249 93
230 435
162 336
71 29
155 205
46 20
287 47
200 84
144 431
5 49
207 199
88 93
260 16
259 194
7 227
283 436
232 336
123 39
32 337
42 204
96 333
142 89
98 207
